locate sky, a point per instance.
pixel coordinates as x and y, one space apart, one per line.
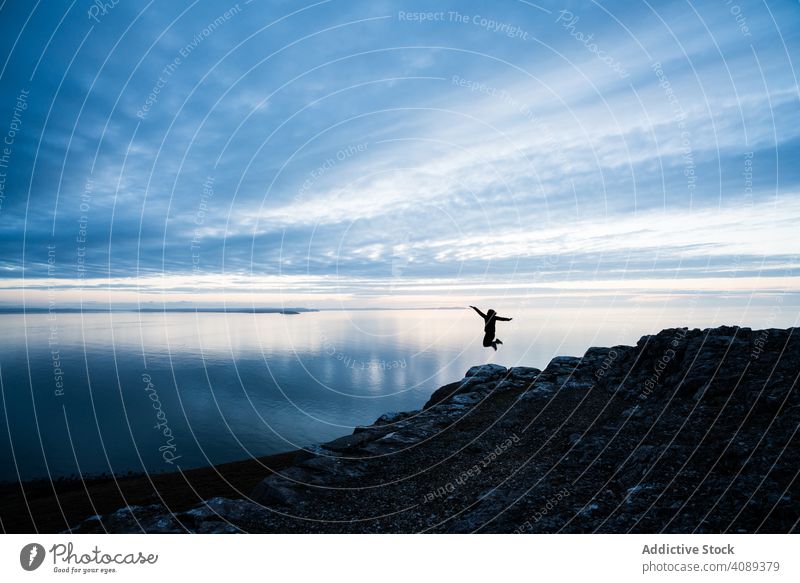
398 154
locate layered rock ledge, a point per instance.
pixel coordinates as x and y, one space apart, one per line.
688 431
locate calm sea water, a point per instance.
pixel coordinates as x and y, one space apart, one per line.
119 392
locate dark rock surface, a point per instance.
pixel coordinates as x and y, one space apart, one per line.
688 431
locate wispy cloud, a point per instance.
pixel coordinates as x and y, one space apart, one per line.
359 157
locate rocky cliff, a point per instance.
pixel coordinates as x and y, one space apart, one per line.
688 431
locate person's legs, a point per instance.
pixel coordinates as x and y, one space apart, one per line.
488 340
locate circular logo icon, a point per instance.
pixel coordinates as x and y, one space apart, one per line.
31 556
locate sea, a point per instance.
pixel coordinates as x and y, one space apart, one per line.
94 393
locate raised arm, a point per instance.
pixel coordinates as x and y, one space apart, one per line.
481 314
503 319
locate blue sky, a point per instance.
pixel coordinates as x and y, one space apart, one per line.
348 153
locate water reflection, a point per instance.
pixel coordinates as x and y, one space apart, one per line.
230 386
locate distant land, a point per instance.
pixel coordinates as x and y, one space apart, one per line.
285 311
217 310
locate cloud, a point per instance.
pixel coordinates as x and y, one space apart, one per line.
345 145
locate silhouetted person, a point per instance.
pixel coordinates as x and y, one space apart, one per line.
488 328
